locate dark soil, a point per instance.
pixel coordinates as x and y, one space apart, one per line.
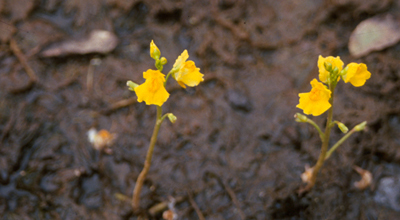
235 148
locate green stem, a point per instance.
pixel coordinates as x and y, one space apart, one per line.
166 78
334 147
321 134
325 143
147 163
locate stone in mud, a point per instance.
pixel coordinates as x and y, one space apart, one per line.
388 192
99 41
238 100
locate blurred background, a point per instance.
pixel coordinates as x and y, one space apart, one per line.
235 151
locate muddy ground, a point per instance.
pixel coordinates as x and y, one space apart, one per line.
235 149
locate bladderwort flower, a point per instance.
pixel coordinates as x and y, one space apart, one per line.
320 99
316 101
185 72
323 72
357 74
152 91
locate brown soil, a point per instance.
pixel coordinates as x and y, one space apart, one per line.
235 148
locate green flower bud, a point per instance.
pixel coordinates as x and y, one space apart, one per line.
154 51
300 117
344 71
158 65
342 127
328 66
163 61
172 118
335 71
360 126
131 85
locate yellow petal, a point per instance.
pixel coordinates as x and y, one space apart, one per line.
357 74
316 101
154 74
180 61
152 91
323 73
189 74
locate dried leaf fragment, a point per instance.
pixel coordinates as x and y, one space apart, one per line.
306 176
101 139
99 41
374 34
366 178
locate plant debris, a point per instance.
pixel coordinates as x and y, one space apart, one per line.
99 41
374 34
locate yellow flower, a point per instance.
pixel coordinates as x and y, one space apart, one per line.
316 101
323 73
356 74
152 91
154 51
186 72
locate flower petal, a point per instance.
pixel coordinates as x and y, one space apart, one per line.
189 74
180 61
152 91
357 74
316 101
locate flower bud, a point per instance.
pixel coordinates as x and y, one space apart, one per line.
131 85
300 117
335 71
328 66
154 51
172 118
344 71
342 127
163 61
360 126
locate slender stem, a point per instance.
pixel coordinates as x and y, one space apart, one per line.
166 78
321 134
164 116
325 144
147 163
334 147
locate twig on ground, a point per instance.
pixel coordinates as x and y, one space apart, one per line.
234 199
163 206
120 104
66 82
8 126
89 78
194 205
22 59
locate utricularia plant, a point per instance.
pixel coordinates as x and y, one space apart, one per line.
153 92
320 100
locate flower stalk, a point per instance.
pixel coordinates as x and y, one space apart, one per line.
153 92
320 100
147 162
324 148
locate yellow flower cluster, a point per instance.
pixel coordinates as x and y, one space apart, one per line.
153 91
323 73
317 101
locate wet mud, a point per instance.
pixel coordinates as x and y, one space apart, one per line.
235 151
